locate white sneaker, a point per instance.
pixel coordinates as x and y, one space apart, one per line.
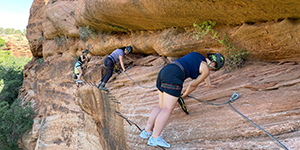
145 135
158 142
78 81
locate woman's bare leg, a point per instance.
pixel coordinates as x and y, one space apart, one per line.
80 73
169 102
154 113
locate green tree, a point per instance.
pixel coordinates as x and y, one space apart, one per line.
4 55
12 79
2 43
8 31
18 32
11 76
15 118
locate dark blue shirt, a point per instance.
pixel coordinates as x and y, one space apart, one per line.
191 64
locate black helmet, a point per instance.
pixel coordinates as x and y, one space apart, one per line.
129 49
218 58
86 51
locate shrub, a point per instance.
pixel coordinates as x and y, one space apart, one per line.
117 28
4 55
200 31
2 43
86 32
40 60
40 39
15 121
234 57
60 40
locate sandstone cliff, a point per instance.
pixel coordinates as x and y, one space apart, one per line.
68 117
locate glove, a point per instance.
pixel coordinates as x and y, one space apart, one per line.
182 105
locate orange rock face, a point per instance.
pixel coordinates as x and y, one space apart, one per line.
71 117
165 27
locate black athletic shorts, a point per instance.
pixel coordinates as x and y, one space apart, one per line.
170 80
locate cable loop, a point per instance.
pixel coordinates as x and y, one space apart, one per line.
234 97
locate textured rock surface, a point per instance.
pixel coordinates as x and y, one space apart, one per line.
268 96
70 117
268 29
66 114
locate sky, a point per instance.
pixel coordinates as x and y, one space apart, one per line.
14 13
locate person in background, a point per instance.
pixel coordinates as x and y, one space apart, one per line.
78 66
110 61
169 83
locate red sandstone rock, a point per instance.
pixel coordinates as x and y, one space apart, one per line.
85 118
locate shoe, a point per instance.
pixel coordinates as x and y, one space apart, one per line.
145 135
103 88
78 81
100 84
158 142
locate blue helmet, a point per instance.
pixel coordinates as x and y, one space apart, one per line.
129 49
86 51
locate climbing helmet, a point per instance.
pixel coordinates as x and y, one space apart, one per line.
129 49
218 58
86 51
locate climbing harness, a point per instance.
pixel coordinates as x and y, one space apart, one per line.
234 97
180 66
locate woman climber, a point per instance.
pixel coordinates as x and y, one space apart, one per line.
78 66
110 61
169 83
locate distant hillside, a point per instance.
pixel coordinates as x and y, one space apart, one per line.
17 44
